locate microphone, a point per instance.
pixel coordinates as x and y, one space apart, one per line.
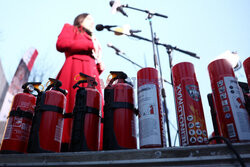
100 27
115 48
125 30
134 31
117 7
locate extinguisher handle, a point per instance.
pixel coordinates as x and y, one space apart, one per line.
90 80
78 83
117 75
30 83
91 83
54 83
29 87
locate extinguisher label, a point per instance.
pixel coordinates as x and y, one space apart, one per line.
8 130
18 129
58 132
240 115
149 124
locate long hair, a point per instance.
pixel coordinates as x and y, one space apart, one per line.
77 23
79 19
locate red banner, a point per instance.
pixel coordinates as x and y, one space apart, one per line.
21 76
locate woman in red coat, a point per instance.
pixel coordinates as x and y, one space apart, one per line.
83 54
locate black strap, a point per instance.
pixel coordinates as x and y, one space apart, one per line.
46 107
127 105
87 109
68 115
21 113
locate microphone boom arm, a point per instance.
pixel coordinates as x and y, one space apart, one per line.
119 54
167 46
161 44
145 11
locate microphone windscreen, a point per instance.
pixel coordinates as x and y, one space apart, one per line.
99 27
118 31
111 3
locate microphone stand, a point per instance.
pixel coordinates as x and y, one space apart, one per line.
163 93
156 62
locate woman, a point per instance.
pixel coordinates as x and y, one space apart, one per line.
83 54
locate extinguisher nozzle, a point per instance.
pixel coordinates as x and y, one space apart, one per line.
118 75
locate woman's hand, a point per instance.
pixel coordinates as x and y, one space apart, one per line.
100 67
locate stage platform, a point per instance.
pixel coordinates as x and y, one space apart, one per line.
207 155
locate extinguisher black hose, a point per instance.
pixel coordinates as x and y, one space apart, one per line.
34 143
213 115
230 146
78 139
109 137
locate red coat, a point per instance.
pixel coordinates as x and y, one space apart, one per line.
78 48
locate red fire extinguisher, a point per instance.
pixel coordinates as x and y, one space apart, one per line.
47 124
246 65
189 110
119 114
19 124
86 116
234 121
151 116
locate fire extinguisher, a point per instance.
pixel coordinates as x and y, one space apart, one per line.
189 110
86 116
47 124
246 65
151 116
119 114
19 124
234 121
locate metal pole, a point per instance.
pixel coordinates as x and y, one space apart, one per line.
163 94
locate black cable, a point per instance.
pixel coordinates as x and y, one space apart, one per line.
176 137
230 146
